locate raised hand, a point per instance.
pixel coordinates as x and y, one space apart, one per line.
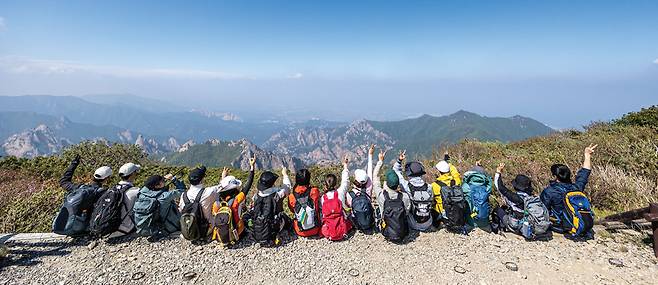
346 161
382 154
169 176
252 162
403 155
590 149
225 172
284 171
500 167
478 163
371 151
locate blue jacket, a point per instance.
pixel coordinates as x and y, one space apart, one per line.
553 195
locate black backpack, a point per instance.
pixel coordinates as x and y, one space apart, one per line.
362 210
422 201
394 219
455 206
193 224
73 218
106 216
265 219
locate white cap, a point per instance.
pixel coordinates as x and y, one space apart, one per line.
360 176
443 166
103 172
230 183
129 168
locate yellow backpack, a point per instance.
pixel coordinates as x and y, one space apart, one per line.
223 229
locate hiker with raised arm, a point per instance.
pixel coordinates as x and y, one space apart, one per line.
358 200
268 217
197 198
393 202
304 203
524 213
420 193
73 218
229 207
569 207
451 206
156 213
335 224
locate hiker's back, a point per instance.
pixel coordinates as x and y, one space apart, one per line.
335 225
73 217
155 213
363 215
394 225
455 207
477 189
265 219
422 202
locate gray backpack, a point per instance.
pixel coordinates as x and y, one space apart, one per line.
536 222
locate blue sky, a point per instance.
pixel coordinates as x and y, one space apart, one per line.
494 58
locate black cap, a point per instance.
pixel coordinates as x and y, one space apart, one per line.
197 175
266 180
303 177
522 183
414 169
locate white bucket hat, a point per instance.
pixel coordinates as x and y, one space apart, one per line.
229 183
103 172
129 168
443 166
361 176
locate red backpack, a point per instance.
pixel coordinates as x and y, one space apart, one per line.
334 224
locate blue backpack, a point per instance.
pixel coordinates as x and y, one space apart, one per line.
477 187
578 214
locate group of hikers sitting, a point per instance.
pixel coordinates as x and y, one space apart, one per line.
401 203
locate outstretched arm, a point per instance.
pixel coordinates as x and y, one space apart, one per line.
587 162
397 167
250 180
509 195
344 181
65 181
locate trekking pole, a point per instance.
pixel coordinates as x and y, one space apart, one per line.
174 177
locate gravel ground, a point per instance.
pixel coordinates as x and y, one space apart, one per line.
431 258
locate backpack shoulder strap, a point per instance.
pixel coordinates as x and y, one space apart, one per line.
440 183
352 194
386 196
198 196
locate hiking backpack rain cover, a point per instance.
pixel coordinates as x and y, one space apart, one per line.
305 215
422 200
479 186
106 217
455 206
73 217
334 224
264 225
364 214
193 224
578 213
223 228
394 219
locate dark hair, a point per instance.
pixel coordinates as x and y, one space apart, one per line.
561 172
330 182
302 178
153 181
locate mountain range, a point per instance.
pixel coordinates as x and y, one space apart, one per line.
42 125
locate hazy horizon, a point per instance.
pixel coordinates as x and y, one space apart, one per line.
565 64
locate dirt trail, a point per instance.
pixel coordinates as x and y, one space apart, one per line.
431 258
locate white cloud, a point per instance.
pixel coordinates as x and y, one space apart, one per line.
21 65
3 24
296 76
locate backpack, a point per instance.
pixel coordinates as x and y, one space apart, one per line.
422 201
455 206
106 217
394 218
479 188
362 210
223 228
193 224
578 214
305 216
147 214
265 219
73 217
334 224
536 220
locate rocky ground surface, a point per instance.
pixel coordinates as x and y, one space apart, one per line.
431 258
